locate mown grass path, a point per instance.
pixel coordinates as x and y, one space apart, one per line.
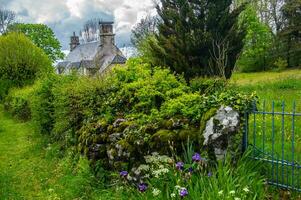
24 167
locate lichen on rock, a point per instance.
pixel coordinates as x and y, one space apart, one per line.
219 130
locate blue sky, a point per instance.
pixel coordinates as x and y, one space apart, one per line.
66 16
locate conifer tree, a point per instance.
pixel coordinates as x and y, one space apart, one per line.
198 37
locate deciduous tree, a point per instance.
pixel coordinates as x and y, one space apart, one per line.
42 36
145 28
7 17
291 32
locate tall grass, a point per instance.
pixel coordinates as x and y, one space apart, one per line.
273 136
242 181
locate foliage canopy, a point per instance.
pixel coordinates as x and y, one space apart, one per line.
42 36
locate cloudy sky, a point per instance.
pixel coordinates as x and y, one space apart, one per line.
66 16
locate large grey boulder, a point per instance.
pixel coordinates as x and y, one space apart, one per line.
220 129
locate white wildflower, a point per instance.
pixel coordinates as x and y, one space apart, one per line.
155 153
143 167
246 189
172 195
156 192
159 172
129 178
178 187
119 188
146 176
137 172
232 192
220 192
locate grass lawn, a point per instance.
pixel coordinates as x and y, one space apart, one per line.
272 86
32 169
244 79
284 89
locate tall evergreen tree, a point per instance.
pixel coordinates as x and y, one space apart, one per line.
198 37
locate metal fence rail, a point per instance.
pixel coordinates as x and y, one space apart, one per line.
274 137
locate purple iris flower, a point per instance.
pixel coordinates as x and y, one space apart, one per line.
183 192
196 157
180 165
190 169
142 187
209 174
123 173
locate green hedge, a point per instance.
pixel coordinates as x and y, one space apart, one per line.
21 62
17 102
129 113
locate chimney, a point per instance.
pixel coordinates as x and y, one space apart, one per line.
74 42
107 37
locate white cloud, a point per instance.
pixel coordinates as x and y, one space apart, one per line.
74 7
66 16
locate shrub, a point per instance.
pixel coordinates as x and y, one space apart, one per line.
208 85
280 64
43 102
5 85
21 62
117 119
17 103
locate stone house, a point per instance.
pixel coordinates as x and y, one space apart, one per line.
93 57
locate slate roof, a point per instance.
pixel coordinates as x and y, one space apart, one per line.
63 64
85 51
88 64
118 60
90 54
75 64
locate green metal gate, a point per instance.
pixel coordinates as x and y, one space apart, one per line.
273 134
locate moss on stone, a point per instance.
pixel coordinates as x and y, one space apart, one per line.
167 124
191 133
125 145
150 129
164 135
206 117
110 129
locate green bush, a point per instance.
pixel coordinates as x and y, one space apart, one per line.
44 100
208 85
135 109
280 64
21 62
5 85
17 102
